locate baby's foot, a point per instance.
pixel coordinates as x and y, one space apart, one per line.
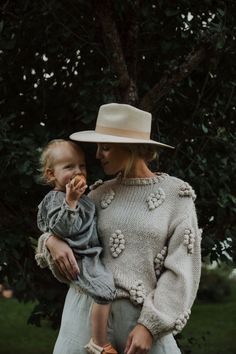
93 348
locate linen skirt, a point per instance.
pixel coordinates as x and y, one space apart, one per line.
75 330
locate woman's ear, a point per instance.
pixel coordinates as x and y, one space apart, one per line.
50 174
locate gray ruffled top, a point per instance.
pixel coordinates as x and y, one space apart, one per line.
78 228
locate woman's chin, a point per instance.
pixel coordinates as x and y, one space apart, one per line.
109 171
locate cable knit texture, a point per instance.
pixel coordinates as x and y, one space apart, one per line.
159 263
151 243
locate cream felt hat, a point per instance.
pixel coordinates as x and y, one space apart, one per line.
120 123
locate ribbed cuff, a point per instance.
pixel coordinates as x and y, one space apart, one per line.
157 328
147 322
40 260
43 256
150 320
67 207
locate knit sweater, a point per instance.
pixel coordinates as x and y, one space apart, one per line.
151 241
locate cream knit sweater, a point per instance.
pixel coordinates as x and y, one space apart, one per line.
149 232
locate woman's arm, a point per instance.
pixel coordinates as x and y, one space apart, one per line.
167 308
55 253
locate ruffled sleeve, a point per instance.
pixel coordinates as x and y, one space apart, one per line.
167 308
55 216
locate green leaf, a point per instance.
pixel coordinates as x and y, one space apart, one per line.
221 12
220 43
204 129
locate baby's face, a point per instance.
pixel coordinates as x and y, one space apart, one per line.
69 162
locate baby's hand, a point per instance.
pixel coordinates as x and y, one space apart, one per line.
74 189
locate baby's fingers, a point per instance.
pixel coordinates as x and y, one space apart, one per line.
81 189
69 185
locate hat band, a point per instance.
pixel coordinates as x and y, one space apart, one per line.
122 132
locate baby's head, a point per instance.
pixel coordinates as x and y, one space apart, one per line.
61 161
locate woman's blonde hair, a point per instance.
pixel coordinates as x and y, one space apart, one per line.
147 152
47 158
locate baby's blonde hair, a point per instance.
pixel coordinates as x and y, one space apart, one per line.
47 159
147 152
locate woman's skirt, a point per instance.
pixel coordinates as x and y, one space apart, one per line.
75 331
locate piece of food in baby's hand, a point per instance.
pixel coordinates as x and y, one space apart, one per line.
77 179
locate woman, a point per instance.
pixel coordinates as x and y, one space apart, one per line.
148 228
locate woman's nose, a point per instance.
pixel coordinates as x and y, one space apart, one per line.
98 153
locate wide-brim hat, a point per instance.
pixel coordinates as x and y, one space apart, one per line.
120 123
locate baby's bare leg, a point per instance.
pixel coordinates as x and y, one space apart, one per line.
99 317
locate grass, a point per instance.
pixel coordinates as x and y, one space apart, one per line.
18 337
210 330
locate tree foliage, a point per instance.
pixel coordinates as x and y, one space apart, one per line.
60 60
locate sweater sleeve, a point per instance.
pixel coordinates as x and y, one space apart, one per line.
167 308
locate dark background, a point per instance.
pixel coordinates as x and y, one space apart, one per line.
60 60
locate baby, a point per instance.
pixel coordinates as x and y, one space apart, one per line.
69 214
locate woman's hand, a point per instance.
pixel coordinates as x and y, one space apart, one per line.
63 257
139 341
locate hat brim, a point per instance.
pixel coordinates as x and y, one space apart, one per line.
91 136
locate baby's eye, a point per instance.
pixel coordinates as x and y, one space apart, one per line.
68 166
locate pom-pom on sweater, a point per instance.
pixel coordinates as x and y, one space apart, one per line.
151 243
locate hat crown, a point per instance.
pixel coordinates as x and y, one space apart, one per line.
120 123
124 119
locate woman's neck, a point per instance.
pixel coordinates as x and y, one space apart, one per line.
140 170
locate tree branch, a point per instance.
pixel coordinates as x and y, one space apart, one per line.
131 38
168 80
127 85
112 40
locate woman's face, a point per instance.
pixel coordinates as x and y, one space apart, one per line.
114 158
